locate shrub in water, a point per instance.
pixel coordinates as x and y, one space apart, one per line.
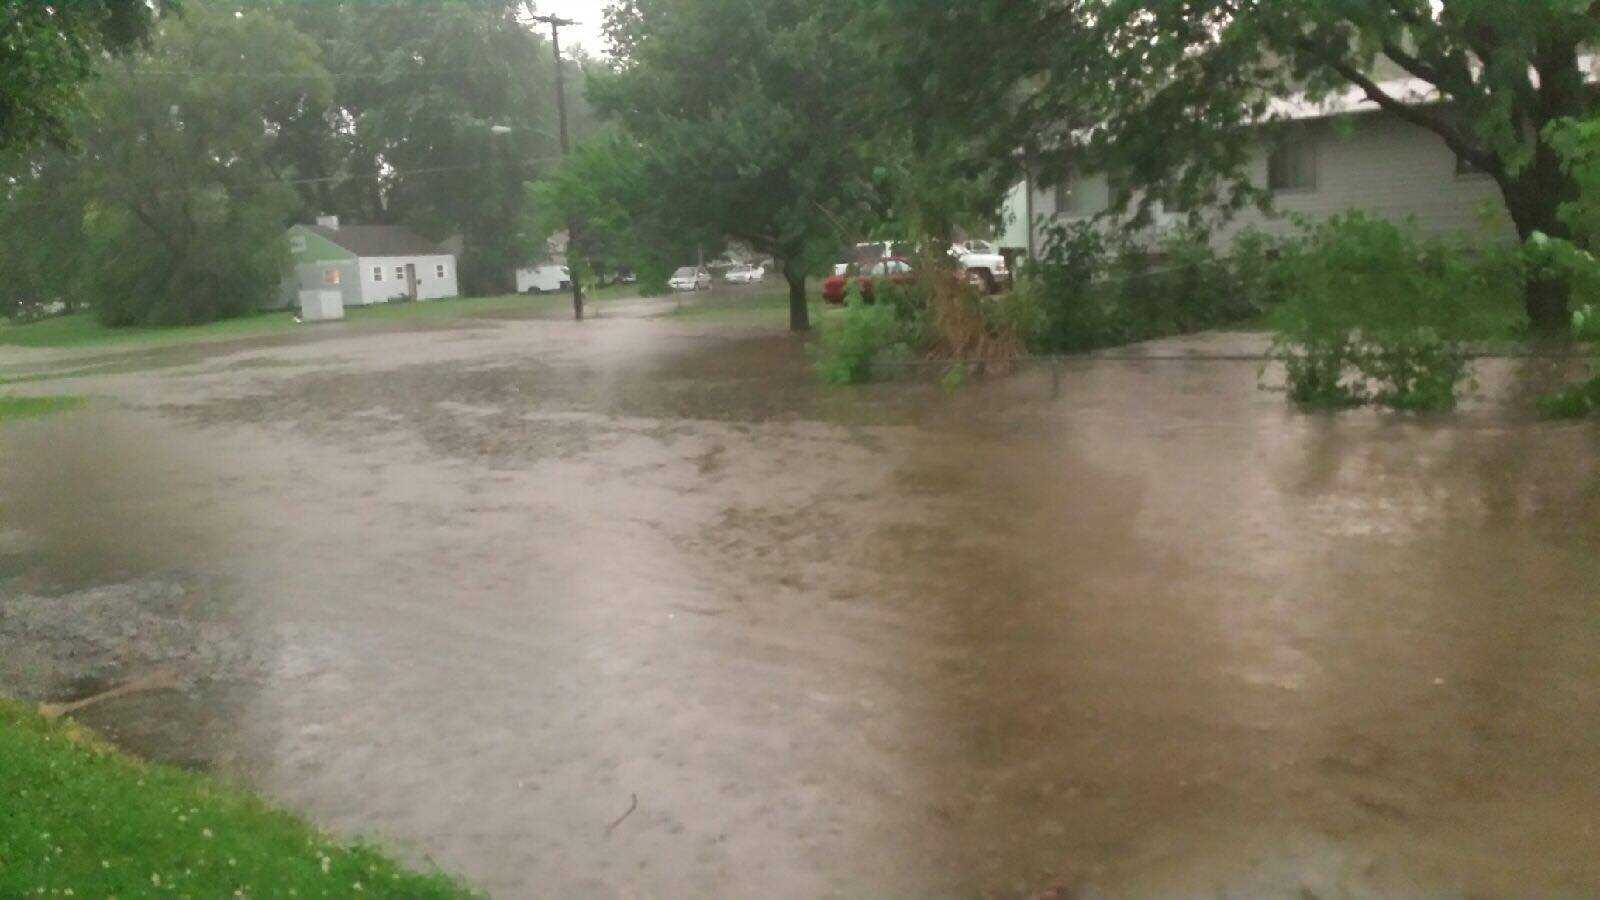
1586 323
1319 372
1416 370
1374 303
851 341
1581 399
1098 292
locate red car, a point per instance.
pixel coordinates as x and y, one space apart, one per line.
892 270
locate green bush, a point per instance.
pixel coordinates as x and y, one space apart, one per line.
1375 305
1319 372
231 261
1582 399
1021 312
856 338
1257 277
1586 323
1417 370
1576 402
1098 291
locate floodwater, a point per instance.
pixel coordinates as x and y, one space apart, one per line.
1157 633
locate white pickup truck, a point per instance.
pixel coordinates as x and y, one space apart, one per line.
983 265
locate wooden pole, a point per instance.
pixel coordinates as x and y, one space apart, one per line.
556 23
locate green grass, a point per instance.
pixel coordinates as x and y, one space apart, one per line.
76 814
764 306
83 330
31 407
610 292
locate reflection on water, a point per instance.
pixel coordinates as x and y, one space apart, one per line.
1159 634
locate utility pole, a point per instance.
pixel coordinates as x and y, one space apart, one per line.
556 23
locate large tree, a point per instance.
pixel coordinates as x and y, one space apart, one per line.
748 113
167 210
605 185
49 50
1165 94
442 111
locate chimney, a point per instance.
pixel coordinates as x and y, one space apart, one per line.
328 222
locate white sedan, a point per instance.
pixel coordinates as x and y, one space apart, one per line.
746 275
690 278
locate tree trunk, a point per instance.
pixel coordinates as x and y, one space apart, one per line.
799 312
1534 198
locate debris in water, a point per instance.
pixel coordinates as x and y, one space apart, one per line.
631 807
159 680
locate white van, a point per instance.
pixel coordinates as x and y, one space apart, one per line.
544 279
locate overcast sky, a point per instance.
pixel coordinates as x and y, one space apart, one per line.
589 15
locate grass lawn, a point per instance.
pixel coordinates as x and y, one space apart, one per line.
764 306
83 330
78 818
29 407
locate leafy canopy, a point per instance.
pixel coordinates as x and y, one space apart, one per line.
170 211
50 50
748 116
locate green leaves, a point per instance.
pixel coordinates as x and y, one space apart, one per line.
49 50
743 115
1375 312
170 213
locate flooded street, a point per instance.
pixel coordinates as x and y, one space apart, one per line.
477 592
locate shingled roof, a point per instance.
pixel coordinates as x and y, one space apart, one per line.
379 240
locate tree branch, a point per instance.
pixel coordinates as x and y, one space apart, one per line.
1423 117
149 222
1457 81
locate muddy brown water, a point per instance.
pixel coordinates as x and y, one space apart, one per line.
1160 634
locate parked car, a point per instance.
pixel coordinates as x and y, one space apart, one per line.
868 278
690 278
543 279
979 263
745 275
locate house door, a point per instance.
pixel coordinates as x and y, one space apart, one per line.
411 280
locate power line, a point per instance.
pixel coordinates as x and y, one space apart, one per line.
185 73
397 174
409 172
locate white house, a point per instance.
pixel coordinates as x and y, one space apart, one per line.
368 264
1339 155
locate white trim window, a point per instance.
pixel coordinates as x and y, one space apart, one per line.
297 243
438 270
330 276
377 273
1066 196
1292 166
399 273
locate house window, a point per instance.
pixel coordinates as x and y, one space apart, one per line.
1293 167
1067 195
438 270
297 243
399 273
377 273
330 276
